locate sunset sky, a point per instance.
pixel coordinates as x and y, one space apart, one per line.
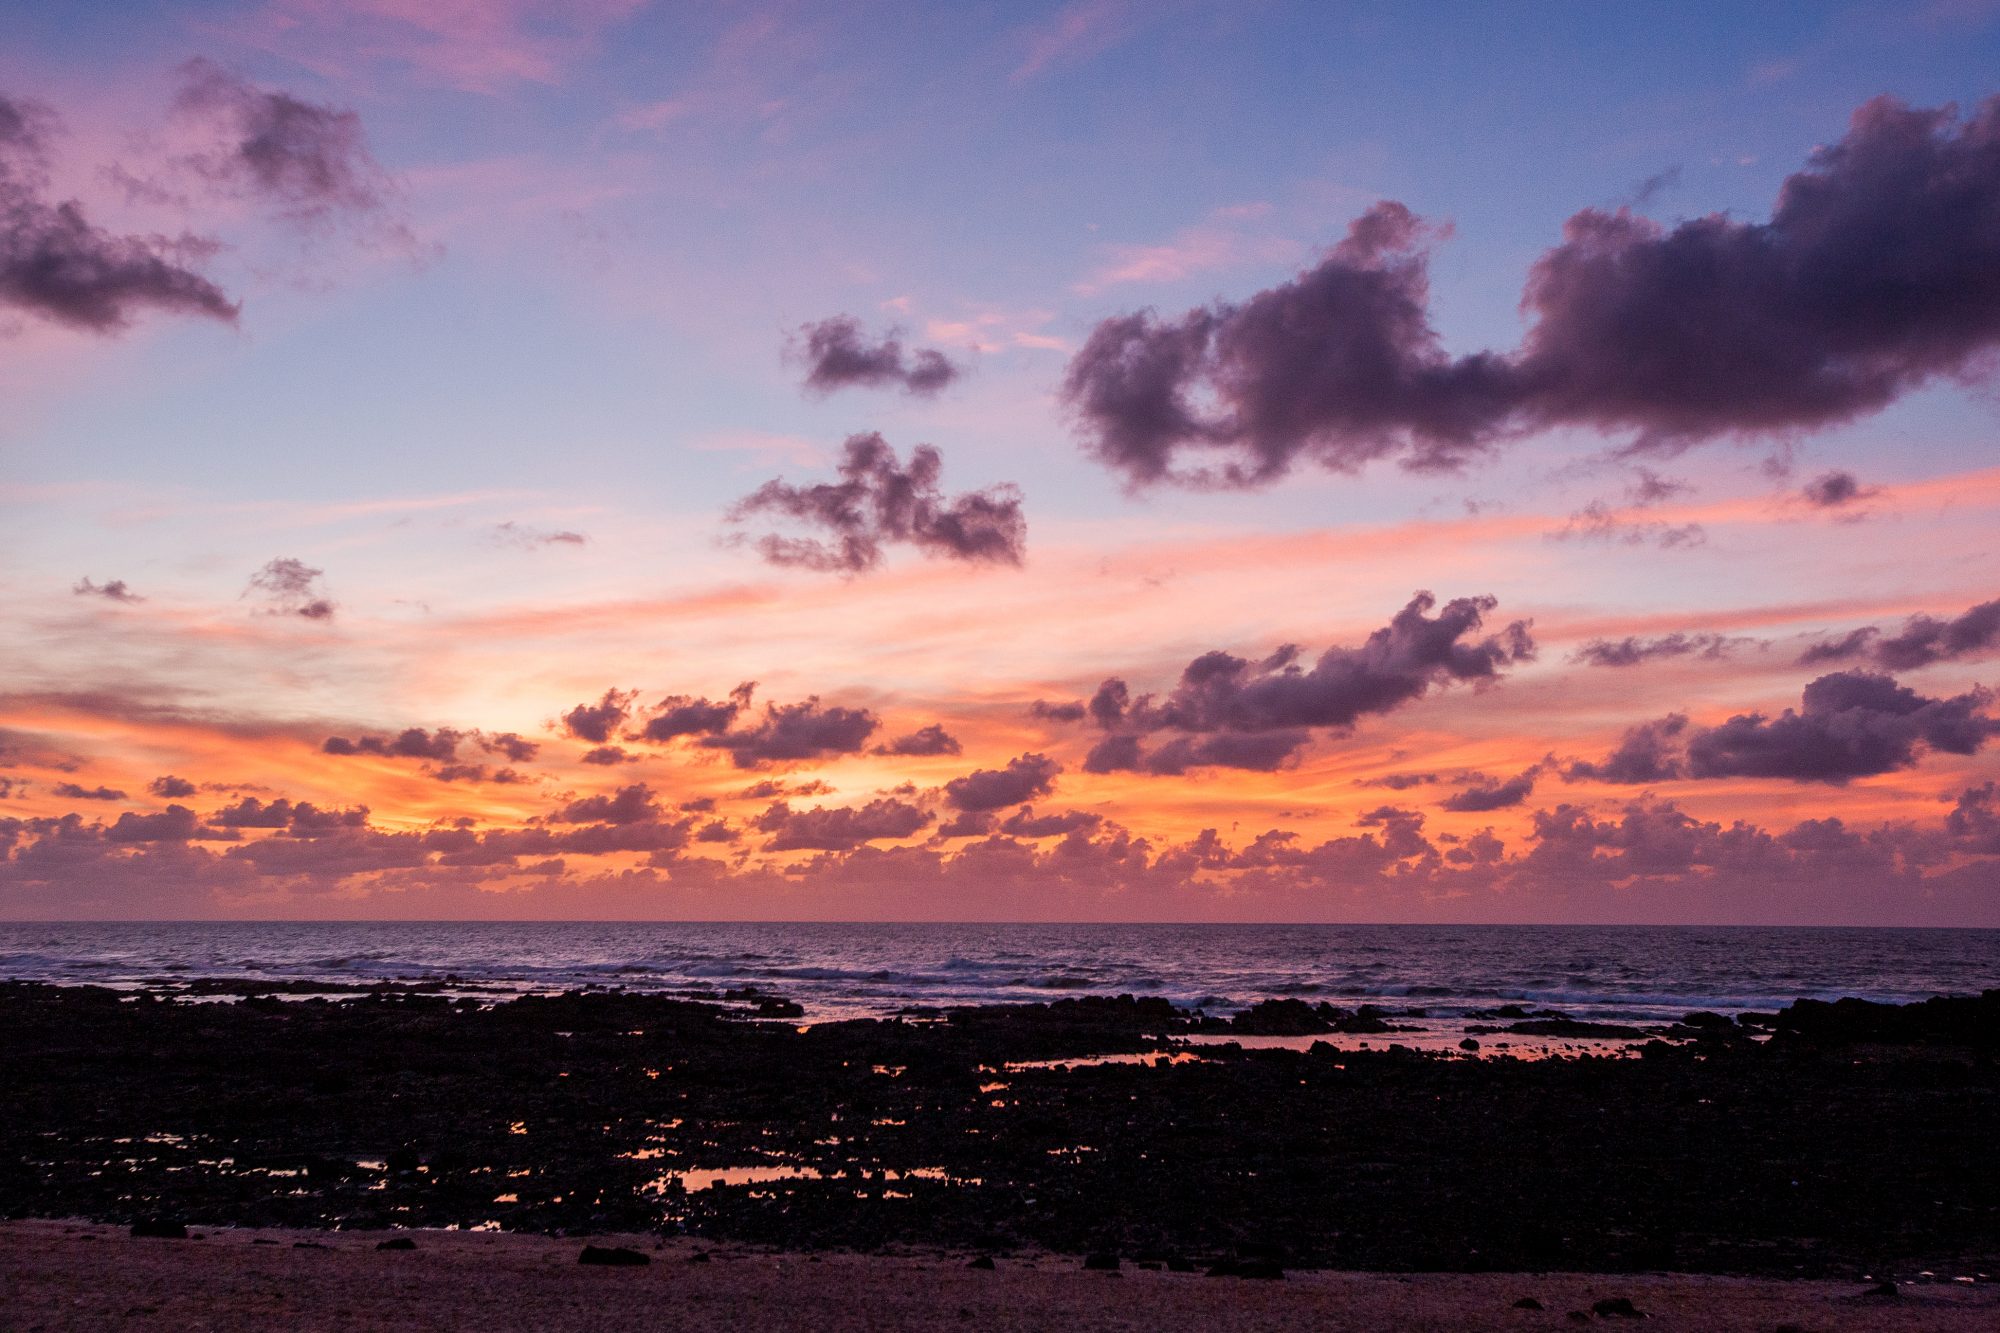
1468 462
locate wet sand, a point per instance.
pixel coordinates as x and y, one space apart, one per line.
61 1276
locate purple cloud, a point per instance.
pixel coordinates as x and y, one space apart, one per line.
1255 715
598 722
1835 490
1922 641
789 733
1849 724
74 792
306 160
1631 651
112 591
292 588
839 828
1491 794
56 264
628 805
923 742
837 355
686 715
1023 779
1878 272
878 502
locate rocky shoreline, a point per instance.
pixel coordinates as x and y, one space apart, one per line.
1831 1140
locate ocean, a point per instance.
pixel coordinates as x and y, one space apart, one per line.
1627 974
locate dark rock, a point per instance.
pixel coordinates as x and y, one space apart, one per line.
984 1263
159 1228
699 1257
396 1243
1101 1263
1527 1303
1180 1263
1266 1269
613 1256
1469 1044
1883 1290
1286 1018
1573 1027
1616 1307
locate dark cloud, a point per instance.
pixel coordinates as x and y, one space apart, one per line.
1044 711
1633 651
1853 644
1922 641
598 722
306 160
1878 272
1107 706
1025 823
56 264
170 787
1650 752
1023 779
688 715
1401 781
1491 794
1849 724
878 503
1255 715
788 733
608 755
967 824
509 743
300 820
1649 488
1258 752
111 591
1974 822
837 354
477 773
924 741
628 805
291 588
1340 366
176 823
411 743
1835 490
442 748
75 792
839 828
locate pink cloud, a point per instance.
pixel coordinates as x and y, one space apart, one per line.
1223 242
1080 31
475 45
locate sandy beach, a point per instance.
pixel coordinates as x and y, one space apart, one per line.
56 1277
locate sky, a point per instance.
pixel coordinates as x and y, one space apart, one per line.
1035 461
